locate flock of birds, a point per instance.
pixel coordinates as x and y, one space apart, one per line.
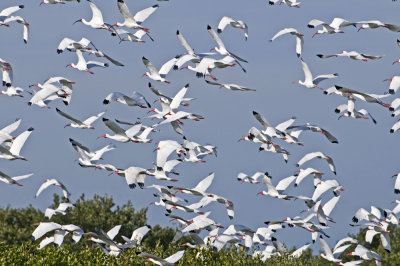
170 153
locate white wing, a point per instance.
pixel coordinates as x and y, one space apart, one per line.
184 43
205 183
307 73
223 23
216 37
9 10
91 119
284 31
167 67
284 183
144 14
45 185
97 17
176 101
19 141
113 231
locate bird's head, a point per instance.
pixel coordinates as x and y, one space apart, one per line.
102 136
79 20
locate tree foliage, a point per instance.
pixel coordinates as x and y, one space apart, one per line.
16 225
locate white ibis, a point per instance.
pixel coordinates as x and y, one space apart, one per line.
233 87
162 262
134 22
12 180
12 152
49 182
96 21
6 13
353 55
221 47
158 75
7 73
137 99
12 91
333 27
87 123
225 21
318 154
292 31
22 21
83 65
62 207
311 82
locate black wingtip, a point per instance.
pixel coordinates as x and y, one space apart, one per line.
58 110
177 32
155 6
21 6
337 111
219 30
208 27
105 119
320 55
106 64
31 129
132 186
273 238
144 58
106 101
187 85
335 141
255 113
391 131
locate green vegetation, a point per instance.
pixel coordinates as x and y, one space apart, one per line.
16 225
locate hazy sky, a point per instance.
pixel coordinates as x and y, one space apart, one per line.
366 156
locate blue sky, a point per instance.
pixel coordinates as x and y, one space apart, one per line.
366 156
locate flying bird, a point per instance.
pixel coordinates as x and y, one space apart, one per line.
96 21
311 82
221 47
292 31
225 21
158 75
87 123
134 22
232 87
52 182
353 55
137 99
